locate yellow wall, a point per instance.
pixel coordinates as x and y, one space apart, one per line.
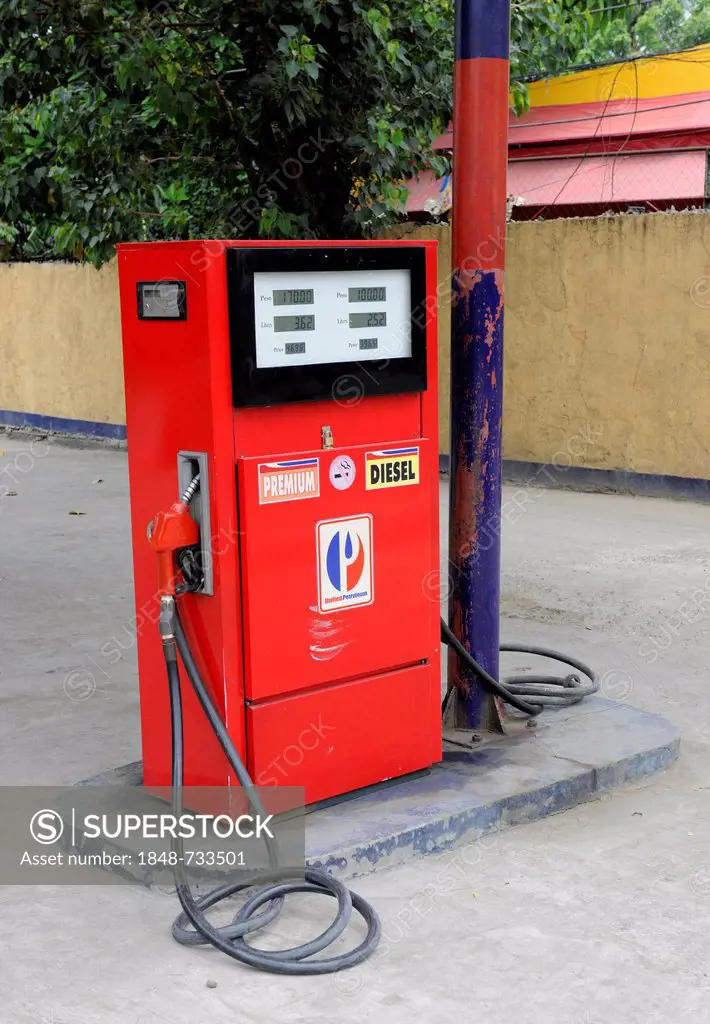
60 341
607 342
609 325
668 75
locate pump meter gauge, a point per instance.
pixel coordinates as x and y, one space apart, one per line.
161 300
345 304
300 318
367 294
293 296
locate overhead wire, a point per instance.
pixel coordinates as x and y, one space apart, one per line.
619 113
585 154
600 119
678 56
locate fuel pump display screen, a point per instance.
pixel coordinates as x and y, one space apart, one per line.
294 323
161 300
368 319
304 318
293 297
367 294
336 328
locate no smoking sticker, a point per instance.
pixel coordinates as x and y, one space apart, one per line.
342 472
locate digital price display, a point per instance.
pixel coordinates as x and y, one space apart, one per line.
294 323
367 294
293 297
335 300
368 319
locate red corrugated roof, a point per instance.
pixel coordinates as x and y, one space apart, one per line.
654 178
636 178
428 194
620 121
597 156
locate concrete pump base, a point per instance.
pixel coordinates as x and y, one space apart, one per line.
571 757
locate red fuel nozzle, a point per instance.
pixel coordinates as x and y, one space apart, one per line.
171 531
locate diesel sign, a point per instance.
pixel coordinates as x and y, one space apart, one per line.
394 468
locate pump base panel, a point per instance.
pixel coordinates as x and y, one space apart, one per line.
343 737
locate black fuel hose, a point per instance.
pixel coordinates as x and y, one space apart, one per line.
544 691
282 881
273 885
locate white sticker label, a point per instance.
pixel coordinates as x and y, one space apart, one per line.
288 481
345 568
342 472
398 467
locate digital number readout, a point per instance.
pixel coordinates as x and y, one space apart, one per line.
319 308
367 294
294 323
294 297
368 320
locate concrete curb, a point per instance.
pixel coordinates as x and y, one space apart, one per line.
569 760
573 756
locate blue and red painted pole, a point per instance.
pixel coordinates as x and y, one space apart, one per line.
481 87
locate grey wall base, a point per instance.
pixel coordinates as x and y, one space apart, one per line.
611 481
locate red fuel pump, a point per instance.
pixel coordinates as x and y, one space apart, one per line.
287 396
297 386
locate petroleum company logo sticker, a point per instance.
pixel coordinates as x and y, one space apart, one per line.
397 467
345 573
289 481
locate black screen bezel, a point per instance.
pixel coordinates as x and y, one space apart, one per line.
254 386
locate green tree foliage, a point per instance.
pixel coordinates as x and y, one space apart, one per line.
645 28
150 119
672 25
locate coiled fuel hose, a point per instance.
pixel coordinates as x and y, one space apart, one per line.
281 881
273 885
543 690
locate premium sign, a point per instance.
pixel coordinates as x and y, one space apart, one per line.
288 481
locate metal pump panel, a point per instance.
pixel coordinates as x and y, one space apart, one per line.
300 381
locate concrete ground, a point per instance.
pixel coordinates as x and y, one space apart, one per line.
600 915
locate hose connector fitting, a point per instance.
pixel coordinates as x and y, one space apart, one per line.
166 626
